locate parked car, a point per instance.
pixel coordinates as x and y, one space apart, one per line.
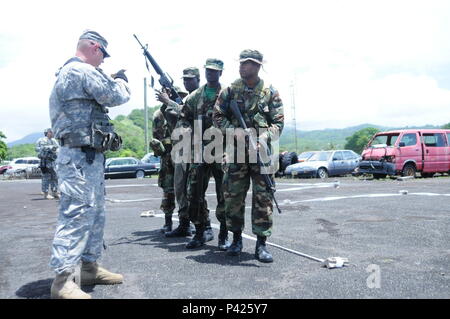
152 159
325 163
126 167
24 165
285 159
305 156
4 166
406 152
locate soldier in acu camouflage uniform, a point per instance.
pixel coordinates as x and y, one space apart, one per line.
172 113
162 146
261 107
201 103
78 112
47 149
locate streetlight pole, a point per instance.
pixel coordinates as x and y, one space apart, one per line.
293 115
146 116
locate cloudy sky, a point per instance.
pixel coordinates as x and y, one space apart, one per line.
343 63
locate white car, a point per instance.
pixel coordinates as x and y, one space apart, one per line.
26 165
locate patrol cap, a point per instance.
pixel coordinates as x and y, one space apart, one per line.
214 64
191 72
252 55
95 36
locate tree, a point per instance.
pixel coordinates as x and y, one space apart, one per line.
132 139
3 147
137 117
22 150
359 139
446 126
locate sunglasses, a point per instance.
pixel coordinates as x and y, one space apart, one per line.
101 49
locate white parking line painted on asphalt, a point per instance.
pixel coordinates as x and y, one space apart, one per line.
332 198
305 184
308 186
131 185
131 200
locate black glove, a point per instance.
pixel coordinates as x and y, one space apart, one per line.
120 75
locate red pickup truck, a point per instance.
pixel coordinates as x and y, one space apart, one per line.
406 152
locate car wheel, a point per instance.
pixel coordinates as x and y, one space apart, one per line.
409 170
322 173
140 174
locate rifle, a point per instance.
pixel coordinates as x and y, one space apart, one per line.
270 186
164 79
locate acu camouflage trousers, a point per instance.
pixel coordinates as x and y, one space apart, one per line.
166 182
236 183
49 180
81 220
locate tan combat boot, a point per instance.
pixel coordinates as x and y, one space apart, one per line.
93 274
48 196
55 195
63 287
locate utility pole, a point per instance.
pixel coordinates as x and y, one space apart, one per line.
146 116
293 114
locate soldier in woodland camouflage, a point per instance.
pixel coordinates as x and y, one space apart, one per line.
47 149
162 146
201 103
172 113
78 112
261 107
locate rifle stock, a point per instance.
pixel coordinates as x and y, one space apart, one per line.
270 187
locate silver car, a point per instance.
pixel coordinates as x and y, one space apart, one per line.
325 163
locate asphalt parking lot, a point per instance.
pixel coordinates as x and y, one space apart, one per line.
395 235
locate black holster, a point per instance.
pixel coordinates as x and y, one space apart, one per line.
90 154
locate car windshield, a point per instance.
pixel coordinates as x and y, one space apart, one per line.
320 156
150 159
384 140
305 155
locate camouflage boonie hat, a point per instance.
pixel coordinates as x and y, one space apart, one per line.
47 130
191 72
252 55
95 36
214 64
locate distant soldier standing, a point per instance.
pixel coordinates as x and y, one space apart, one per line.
191 81
47 149
200 104
162 146
261 107
78 111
